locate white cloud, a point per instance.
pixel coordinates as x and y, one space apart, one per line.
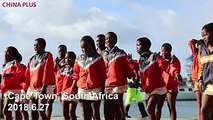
63 22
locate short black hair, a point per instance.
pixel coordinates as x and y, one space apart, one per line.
88 39
114 36
167 46
63 47
208 27
145 41
42 41
101 36
72 54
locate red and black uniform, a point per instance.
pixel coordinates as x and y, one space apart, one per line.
172 68
65 82
90 72
15 81
40 71
59 63
118 70
151 73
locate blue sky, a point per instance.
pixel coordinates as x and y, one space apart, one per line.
66 21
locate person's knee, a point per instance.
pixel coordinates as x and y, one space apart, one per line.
204 109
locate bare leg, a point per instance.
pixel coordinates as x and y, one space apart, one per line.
198 96
50 108
34 113
66 109
151 106
8 114
109 113
87 109
158 108
96 110
171 102
43 111
119 108
206 107
73 110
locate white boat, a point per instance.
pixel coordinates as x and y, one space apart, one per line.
186 92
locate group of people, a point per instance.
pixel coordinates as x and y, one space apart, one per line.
103 68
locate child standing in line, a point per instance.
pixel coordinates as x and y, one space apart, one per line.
151 78
67 86
13 76
171 76
59 63
40 78
90 73
118 70
206 72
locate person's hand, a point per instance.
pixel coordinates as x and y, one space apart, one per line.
201 86
179 77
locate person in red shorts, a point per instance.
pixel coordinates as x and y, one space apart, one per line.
90 73
118 70
40 78
195 46
66 86
151 67
13 76
171 76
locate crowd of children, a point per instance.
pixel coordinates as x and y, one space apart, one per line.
105 69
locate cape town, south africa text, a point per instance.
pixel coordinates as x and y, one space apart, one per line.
64 96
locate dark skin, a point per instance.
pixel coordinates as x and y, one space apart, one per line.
171 96
207 105
69 113
141 48
100 43
155 102
110 41
40 49
8 57
166 53
90 108
61 53
69 59
86 48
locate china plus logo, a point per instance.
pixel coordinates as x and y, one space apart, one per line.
18 4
